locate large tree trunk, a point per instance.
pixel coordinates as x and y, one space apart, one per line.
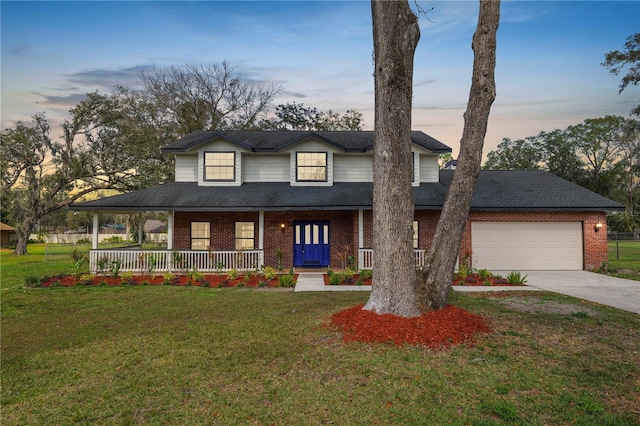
395 37
443 252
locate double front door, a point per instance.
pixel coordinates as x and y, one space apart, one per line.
311 243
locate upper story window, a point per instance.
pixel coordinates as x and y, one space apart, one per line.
311 166
220 166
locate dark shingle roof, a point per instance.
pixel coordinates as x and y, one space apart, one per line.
518 190
273 141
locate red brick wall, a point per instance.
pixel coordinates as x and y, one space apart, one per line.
342 233
594 243
344 230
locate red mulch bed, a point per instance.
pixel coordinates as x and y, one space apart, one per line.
353 280
471 280
178 280
475 280
436 330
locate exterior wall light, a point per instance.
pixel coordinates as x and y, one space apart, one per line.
282 227
598 226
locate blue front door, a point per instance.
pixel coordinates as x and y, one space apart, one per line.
311 243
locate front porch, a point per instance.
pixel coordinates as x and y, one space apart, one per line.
149 261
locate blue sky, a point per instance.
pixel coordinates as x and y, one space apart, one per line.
548 72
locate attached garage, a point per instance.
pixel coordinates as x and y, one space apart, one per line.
522 246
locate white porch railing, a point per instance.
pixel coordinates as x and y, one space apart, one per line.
365 258
148 261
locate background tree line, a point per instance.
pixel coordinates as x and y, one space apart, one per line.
112 141
601 154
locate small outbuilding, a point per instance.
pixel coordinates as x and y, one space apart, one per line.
7 234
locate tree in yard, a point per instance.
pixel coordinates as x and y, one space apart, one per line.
442 254
108 143
617 61
294 116
551 151
395 37
513 155
208 97
601 143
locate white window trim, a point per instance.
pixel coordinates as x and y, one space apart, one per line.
238 169
294 171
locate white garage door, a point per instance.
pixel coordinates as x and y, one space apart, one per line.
523 246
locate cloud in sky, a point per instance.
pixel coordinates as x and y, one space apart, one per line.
548 72
109 78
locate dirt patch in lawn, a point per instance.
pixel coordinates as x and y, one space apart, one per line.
536 305
531 302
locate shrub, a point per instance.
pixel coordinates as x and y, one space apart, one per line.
366 274
484 274
115 267
279 255
113 240
169 278
86 279
232 274
83 241
516 277
268 272
31 281
102 264
195 275
336 279
287 280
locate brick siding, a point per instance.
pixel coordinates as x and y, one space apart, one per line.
344 230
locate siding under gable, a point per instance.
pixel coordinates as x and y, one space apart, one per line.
429 168
353 167
186 168
265 168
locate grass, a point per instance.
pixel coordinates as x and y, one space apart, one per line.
624 259
190 355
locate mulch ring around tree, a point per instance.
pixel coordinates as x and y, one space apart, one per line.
214 280
436 329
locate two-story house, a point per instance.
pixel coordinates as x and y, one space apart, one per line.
241 197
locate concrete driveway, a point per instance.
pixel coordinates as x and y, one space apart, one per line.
611 291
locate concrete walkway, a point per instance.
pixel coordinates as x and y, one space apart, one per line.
611 291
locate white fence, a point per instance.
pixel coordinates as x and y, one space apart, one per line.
365 258
149 261
74 238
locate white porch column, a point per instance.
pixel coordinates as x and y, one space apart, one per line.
360 237
261 230
360 229
170 231
96 226
141 231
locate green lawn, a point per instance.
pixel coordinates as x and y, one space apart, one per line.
624 259
191 355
